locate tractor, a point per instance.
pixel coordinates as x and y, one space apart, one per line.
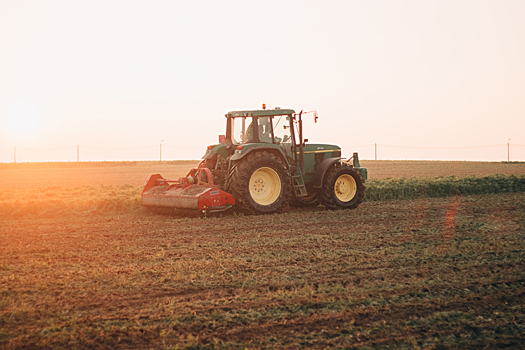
261 165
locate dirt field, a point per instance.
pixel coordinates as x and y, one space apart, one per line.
428 273
382 169
70 175
425 273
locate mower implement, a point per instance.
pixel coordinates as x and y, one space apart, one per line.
195 191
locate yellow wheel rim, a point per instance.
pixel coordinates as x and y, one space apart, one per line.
345 188
265 186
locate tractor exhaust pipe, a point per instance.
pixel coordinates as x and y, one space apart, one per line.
301 143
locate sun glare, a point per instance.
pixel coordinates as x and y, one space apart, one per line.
23 119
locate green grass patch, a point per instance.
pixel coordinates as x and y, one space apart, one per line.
415 187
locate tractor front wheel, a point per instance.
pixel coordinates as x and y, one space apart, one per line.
343 187
260 184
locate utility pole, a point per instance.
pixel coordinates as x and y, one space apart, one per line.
508 150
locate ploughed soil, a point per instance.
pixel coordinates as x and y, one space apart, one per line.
428 274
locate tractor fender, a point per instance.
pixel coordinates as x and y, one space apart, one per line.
209 155
321 170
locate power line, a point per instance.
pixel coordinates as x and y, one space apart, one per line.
465 147
191 147
137 147
44 149
376 145
163 145
369 145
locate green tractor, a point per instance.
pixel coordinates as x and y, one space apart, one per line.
262 164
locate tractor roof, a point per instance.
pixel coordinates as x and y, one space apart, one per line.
260 113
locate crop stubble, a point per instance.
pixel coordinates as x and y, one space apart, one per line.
70 175
430 273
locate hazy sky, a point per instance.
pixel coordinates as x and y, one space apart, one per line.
112 75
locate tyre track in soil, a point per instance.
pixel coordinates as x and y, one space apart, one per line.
188 297
393 315
390 314
346 324
264 304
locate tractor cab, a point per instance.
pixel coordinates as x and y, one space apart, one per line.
260 126
247 130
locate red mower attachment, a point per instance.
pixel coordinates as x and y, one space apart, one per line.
189 192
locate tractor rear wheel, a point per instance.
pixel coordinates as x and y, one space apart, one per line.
260 184
343 187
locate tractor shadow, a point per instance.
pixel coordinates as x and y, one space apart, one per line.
188 213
